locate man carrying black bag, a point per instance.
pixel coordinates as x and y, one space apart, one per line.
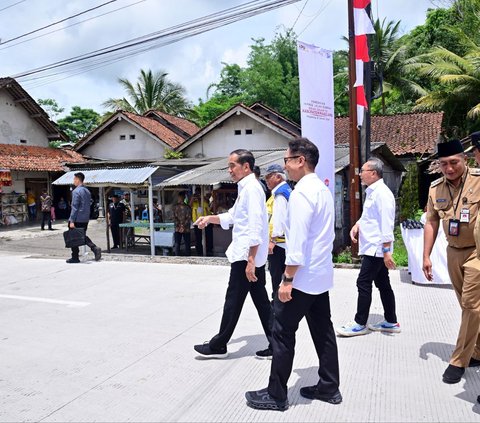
80 215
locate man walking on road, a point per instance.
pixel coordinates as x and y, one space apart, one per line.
374 231
304 290
80 215
247 253
277 206
454 201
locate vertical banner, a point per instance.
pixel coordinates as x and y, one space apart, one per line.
315 68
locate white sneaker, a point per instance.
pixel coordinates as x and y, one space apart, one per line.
385 326
352 329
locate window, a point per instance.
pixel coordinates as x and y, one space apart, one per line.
123 137
237 132
248 131
132 136
23 141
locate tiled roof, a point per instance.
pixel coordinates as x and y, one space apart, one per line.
156 128
404 134
184 124
32 158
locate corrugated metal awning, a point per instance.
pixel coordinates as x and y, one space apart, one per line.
121 177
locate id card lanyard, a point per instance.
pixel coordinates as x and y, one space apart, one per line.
454 224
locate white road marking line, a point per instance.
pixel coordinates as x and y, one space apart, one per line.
46 300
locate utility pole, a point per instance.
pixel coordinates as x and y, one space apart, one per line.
354 141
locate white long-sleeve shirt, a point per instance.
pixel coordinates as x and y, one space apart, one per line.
310 235
279 218
377 221
250 222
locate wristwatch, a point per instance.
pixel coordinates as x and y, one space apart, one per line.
286 279
386 250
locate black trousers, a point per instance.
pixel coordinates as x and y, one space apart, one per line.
115 228
316 308
276 267
186 241
374 270
237 291
88 241
208 239
46 218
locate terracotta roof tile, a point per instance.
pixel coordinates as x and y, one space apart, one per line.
184 124
156 128
32 158
404 134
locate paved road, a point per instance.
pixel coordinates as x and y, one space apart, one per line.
113 341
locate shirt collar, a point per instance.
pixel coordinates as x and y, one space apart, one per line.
243 182
374 186
306 178
274 190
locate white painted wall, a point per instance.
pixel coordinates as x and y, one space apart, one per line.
18 180
16 124
109 145
221 141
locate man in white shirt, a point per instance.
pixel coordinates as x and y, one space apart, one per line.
375 236
277 219
247 253
304 290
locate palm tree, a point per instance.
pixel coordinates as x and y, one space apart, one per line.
459 79
152 91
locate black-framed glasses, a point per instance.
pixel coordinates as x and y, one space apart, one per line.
287 159
366 170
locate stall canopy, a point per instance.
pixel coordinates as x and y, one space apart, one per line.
118 177
129 177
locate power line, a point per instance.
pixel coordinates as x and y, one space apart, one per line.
117 52
298 17
320 11
56 23
71 25
11 5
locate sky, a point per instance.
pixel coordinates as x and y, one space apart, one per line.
194 62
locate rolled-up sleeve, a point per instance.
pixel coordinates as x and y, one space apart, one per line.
432 214
226 219
255 209
300 212
387 216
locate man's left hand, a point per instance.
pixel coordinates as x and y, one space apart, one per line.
389 262
285 292
250 271
71 225
271 246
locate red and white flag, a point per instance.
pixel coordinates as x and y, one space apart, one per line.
363 26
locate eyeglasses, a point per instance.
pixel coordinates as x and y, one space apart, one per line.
287 159
366 170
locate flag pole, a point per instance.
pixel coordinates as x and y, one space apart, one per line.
354 136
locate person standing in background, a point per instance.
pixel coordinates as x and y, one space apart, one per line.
199 210
116 212
277 206
182 216
46 207
32 206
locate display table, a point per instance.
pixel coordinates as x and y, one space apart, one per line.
138 233
413 239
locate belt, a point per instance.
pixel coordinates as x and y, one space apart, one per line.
279 240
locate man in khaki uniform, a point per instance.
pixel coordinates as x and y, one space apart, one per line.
454 201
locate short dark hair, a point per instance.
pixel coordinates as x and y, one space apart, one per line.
304 147
80 176
245 156
257 171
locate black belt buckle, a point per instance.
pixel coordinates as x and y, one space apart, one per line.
454 227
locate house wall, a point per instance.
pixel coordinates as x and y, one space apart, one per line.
222 140
18 181
16 124
110 146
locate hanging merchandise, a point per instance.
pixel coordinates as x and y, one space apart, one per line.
5 178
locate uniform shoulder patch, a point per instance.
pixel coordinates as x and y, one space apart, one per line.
475 171
436 182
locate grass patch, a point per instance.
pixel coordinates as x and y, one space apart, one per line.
400 255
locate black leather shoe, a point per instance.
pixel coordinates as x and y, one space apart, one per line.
261 400
264 354
312 392
205 351
453 374
474 362
98 253
72 260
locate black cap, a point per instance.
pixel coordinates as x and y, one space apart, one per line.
450 148
475 137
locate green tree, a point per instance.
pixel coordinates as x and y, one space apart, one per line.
152 91
79 123
51 107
